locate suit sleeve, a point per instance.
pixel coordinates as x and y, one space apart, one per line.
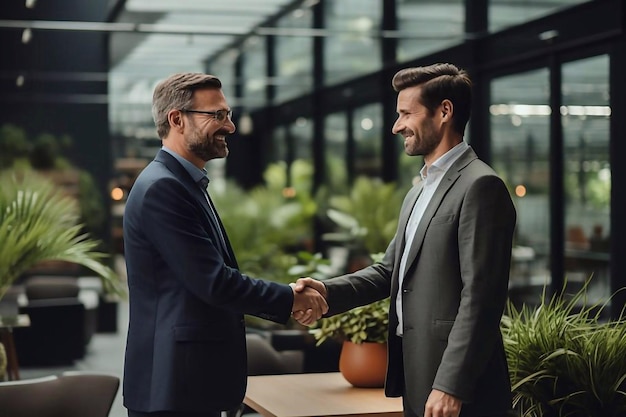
172 221
362 287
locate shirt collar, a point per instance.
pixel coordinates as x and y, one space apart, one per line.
198 175
445 161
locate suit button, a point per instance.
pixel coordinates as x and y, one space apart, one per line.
405 290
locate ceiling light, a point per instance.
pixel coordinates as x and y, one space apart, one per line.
30 4
20 80
27 35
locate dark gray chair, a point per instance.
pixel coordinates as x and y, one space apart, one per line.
72 394
29 397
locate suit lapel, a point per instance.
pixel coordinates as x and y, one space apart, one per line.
407 208
219 229
179 171
450 177
405 214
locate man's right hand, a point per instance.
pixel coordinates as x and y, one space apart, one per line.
302 283
308 304
306 285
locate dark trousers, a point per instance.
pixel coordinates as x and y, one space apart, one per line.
171 414
409 413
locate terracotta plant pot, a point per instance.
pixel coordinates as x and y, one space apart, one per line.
364 365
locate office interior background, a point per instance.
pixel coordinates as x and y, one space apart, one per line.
311 80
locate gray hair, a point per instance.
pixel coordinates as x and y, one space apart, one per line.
176 92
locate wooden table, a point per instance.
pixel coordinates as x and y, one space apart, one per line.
320 394
6 337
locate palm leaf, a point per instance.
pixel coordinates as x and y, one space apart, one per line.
38 222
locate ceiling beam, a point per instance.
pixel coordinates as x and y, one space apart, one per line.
170 29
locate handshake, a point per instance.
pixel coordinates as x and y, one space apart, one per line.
309 300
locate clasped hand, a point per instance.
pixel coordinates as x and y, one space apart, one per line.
309 301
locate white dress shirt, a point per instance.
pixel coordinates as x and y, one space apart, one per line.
431 177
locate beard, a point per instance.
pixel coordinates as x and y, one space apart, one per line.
206 146
423 142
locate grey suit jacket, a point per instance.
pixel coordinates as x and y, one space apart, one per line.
453 293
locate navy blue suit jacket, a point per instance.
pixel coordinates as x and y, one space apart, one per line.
186 348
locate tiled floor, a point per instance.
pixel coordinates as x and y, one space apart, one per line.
105 354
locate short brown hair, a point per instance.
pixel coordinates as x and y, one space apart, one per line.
176 92
440 82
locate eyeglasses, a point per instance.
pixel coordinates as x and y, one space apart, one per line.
219 115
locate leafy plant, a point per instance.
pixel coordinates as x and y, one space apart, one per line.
367 217
44 154
266 228
312 265
563 361
367 323
38 223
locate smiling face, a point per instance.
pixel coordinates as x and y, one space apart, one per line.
421 130
204 135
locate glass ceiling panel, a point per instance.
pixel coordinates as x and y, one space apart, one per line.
266 7
183 35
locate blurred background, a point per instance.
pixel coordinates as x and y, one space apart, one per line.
309 82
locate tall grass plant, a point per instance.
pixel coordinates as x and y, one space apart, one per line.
564 361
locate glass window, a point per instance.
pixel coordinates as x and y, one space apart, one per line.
336 148
520 120
585 114
505 13
367 125
223 67
301 137
294 57
353 22
278 150
254 72
427 26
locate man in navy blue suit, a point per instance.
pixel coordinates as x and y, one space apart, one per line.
186 351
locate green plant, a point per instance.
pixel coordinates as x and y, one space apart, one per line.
14 145
312 265
43 153
563 360
38 222
267 229
367 323
368 216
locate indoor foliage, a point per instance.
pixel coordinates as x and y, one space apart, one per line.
564 361
40 223
367 217
265 227
367 323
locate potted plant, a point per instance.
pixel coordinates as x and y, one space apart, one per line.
363 334
38 222
563 360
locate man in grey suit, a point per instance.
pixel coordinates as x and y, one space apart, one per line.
447 268
186 345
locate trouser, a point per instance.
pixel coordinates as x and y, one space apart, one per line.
132 413
409 413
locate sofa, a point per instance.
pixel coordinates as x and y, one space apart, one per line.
62 321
